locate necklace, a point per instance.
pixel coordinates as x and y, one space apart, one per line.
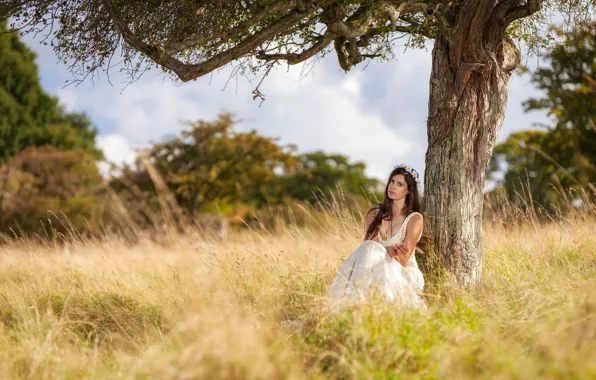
388 233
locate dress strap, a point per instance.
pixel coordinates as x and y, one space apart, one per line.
412 214
405 224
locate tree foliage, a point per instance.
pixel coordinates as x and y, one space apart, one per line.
44 191
194 38
320 175
49 180
563 155
29 116
213 167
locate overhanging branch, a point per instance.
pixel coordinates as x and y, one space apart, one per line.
349 31
356 31
295 58
188 72
521 11
176 47
505 13
412 28
155 53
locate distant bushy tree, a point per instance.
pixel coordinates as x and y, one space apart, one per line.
209 167
44 190
563 155
29 116
212 167
319 175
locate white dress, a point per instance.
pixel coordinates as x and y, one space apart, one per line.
370 269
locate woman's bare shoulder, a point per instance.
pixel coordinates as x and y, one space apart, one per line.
416 217
415 222
373 211
371 214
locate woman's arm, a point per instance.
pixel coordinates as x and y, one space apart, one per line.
368 220
413 231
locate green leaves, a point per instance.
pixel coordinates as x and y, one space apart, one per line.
320 175
85 34
211 164
47 155
563 156
211 167
29 116
526 34
43 184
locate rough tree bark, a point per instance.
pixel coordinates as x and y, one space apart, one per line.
471 68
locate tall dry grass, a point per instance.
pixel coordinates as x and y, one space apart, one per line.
194 306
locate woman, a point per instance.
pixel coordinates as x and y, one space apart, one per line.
385 261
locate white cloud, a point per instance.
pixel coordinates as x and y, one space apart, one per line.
333 119
352 84
116 149
69 99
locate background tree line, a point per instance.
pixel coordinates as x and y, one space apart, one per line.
50 182
212 169
556 162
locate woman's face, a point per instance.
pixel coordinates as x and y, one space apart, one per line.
398 188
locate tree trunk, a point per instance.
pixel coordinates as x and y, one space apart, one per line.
468 95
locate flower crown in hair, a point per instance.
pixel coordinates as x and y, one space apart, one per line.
410 170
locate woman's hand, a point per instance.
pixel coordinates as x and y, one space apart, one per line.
392 251
402 254
399 252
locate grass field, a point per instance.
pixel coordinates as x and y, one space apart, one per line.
195 307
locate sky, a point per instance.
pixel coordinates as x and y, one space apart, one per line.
375 113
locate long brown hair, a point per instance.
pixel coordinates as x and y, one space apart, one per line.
384 210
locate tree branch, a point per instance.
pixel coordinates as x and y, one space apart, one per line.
358 25
497 23
506 12
295 58
344 29
413 28
502 8
347 29
521 11
157 54
176 47
188 72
